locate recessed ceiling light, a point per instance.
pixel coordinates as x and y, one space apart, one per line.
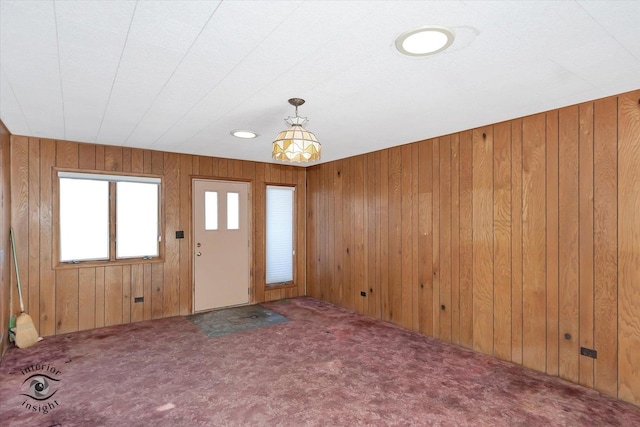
244 134
424 41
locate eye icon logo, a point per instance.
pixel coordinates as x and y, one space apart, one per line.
41 386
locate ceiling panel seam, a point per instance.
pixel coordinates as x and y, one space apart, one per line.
64 119
196 133
115 75
172 73
13 92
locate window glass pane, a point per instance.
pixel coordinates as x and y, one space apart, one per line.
279 234
136 219
210 210
233 211
84 219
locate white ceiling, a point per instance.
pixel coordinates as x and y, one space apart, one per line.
180 75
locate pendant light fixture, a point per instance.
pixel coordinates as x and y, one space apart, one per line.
296 144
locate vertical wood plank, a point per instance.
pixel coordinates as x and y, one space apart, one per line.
586 364
87 156
137 290
137 160
47 275
340 255
20 208
185 293
395 235
415 261
100 297
113 295
86 298
533 243
384 233
406 280
605 218
126 294
568 244
425 242
157 284
483 240
455 239
516 244
502 240
259 240
445 239
466 240
32 287
435 227
66 154
629 247
113 158
171 277
66 301
358 233
552 242
148 291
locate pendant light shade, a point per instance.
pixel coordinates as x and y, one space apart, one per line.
296 144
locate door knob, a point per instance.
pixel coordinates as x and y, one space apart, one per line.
198 253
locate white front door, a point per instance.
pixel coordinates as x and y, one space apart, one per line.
221 243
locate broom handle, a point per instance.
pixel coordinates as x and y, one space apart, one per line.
15 261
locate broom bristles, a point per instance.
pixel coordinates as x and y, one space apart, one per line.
26 334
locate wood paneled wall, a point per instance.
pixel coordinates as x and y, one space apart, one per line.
520 240
5 246
71 299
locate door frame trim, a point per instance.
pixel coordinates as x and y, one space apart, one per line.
192 248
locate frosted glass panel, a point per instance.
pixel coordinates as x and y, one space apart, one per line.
233 211
84 219
137 220
210 210
279 234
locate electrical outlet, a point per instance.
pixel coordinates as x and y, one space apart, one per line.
589 352
180 234
138 299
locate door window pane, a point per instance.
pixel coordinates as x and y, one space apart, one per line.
136 219
84 219
210 210
279 234
233 211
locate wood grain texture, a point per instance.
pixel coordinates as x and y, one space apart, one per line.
425 242
47 275
629 247
395 235
569 244
552 242
20 209
86 298
516 243
605 235
435 229
466 240
586 364
483 240
67 297
445 312
533 243
33 275
455 239
502 240
406 319
113 295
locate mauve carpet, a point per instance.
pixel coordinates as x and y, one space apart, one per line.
326 366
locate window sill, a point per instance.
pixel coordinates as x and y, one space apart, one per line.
94 264
280 286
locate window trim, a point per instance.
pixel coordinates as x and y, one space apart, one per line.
293 283
106 176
